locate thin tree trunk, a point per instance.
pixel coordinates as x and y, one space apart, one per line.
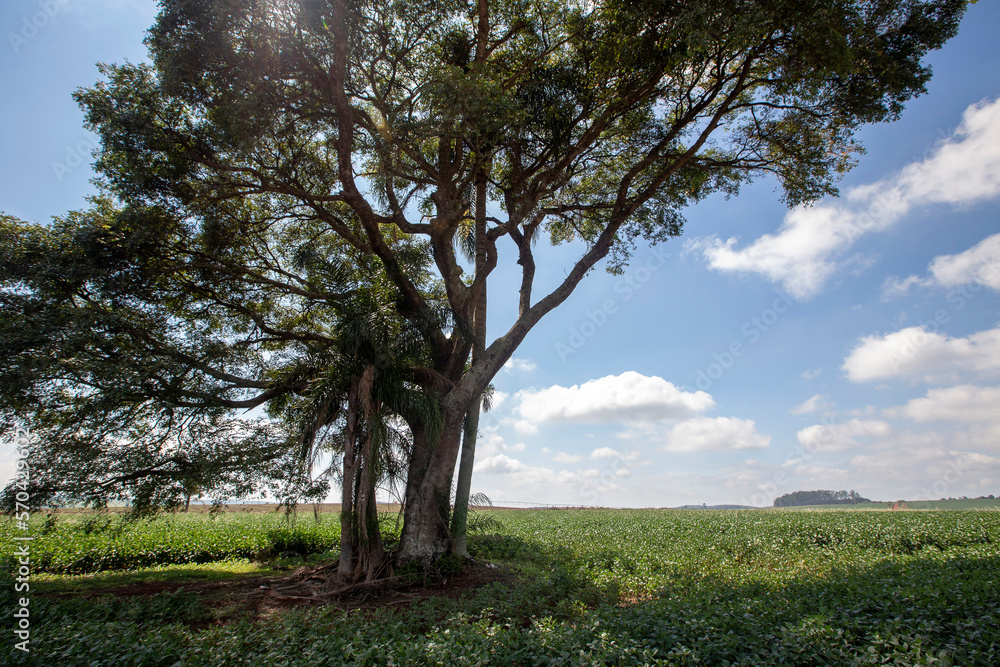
347 492
368 545
460 520
374 552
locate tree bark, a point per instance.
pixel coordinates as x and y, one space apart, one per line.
426 536
368 544
346 565
460 520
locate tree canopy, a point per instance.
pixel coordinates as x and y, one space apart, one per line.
276 160
797 498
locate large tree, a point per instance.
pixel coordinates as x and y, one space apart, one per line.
376 130
128 348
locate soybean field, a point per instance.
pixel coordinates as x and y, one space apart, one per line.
546 587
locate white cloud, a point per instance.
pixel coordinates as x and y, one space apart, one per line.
606 453
893 287
963 403
522 426
499 464
627 397
827 475
806 250
925 468
497 399
812 374
507 478
563 457
715 434
491 443
832 437
515 364
813 404
978 264
799 256
915 352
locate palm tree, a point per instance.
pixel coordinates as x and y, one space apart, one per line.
360 404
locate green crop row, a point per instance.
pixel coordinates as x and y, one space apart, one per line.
616 587
643 551
78 544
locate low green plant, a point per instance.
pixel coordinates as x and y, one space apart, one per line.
449 565
614 587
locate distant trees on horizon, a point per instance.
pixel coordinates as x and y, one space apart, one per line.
822 497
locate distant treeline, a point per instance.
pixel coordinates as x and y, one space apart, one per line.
797 498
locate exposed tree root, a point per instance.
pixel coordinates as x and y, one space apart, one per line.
321 585
325 585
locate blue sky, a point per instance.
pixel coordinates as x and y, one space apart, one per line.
854 344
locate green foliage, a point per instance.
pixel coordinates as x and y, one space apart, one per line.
621 587
798 498
483 523
449 565
263 172
99 543
185 573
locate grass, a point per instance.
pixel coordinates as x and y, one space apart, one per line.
590 587
190 573
952 504
84 543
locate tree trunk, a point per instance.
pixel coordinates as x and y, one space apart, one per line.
425 535
370 553
346 565
460 520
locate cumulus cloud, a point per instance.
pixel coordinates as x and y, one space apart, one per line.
833 437
917 353
492 443
894 287
807 249
627 397
800 256
606 453
714 434
515 364
499 464
522 426
497 399
506 478
963 403
563 457
980 264
817 402
927 468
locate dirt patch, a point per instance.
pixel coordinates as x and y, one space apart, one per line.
259 598
322 586
307 588
155 587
